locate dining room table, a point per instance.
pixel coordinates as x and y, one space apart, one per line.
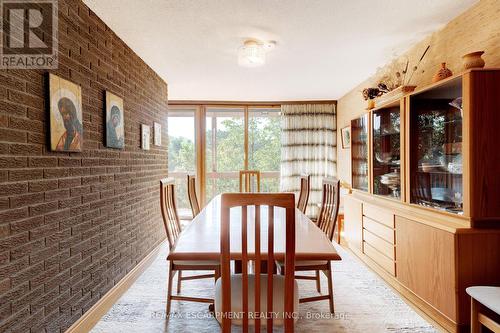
200 240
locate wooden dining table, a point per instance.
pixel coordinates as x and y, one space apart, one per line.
200 240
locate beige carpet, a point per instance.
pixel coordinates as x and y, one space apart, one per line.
363 303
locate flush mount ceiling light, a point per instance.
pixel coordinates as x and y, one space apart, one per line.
253 52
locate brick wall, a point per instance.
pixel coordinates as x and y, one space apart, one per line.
73 224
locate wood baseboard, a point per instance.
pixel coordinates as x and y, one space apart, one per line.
94 314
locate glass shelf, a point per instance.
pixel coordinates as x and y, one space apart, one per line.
386 152
436 148
359 153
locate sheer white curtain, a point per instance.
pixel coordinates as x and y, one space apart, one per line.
308 146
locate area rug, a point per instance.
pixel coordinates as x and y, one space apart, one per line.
363 303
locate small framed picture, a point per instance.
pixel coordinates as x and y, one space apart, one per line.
345 133
66 126
145 136
157 134
115 123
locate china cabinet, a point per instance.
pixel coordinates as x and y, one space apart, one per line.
426 216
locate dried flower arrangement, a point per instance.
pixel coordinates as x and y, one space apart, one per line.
397 73
393 76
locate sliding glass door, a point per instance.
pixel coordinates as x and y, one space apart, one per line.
216 142
225 149
264 146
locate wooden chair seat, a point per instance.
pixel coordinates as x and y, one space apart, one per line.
236 297
305 263
485 308
197 262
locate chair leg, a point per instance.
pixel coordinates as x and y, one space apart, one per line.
169 287
318 282
179 282
216 275
339 228
330 287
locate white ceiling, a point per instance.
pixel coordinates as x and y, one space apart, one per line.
324 47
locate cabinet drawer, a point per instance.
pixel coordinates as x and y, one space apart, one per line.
381 245
379 229
378 214
384 262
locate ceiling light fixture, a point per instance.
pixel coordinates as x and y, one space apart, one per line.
253 52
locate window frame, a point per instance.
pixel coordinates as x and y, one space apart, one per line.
200 112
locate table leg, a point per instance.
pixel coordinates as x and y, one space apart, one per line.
475 326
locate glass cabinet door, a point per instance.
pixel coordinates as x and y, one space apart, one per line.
359 153
386 152
436 147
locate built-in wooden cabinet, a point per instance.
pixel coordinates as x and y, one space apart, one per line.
422 232
426 263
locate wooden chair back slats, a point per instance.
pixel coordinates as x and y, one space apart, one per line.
193 199
249 181
169 210
329 206
305 188
270 269
257 268
244 262
283 200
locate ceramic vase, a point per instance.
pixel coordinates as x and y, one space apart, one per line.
443 73
371 104
473 60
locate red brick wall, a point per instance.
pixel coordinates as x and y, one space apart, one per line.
73 224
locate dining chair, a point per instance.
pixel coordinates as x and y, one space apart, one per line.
305 188
326 222
193 199
249 181
173 230
239 297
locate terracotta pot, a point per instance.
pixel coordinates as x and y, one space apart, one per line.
443 73
473 60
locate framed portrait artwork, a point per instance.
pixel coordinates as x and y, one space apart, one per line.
346 137
157 132
65 108
145 137
115 122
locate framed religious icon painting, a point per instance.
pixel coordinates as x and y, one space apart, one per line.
65 108
115 122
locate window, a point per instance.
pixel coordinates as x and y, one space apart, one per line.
181 154
217 142
264 142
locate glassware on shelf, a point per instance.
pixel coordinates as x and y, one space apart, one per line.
359 153
436 148
386 152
